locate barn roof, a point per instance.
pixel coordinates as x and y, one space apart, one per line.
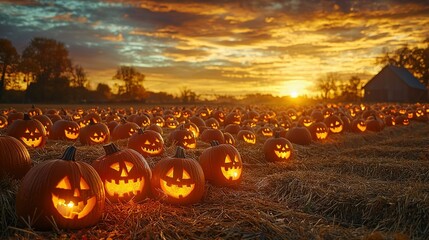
404 75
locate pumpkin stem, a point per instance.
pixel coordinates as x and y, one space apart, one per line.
69 154
140 130
111 148
91 121
27 116
214 143
123 120
180 152
277 134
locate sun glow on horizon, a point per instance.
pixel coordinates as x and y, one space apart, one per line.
294 94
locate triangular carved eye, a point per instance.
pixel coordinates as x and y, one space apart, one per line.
228 159
129 166
236 158
83 184
170 173
156 140
279 146
36 130
64 183
186 175
27 131
147 142
115 166
95 135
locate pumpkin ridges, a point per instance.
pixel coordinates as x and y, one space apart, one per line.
34 197
14 157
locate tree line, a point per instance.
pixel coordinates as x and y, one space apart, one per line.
49 75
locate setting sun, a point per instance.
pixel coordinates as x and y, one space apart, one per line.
294 94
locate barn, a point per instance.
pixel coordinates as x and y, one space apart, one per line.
394 84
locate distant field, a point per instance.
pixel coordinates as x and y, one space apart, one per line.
372 185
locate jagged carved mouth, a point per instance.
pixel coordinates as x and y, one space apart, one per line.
231 173
32 141
126 187
98 139
71 135
249 140
321 135
70 209
189 145
151 151
282 154
177 190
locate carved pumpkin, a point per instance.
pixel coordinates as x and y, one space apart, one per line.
46 122
148 143
374 124
29 131
221 164
178 180
212 123
33 111
3 122
266 131
63 190
158 120
389 120
247 136
212 134
305 120
197 121
229 139
192 127
171 123
142 120
402 120
182 137
319 131
15 160
232 128
125 174
278 149
233 117
334 124
124 130
94 133
65 130
299 135
219 115
358 125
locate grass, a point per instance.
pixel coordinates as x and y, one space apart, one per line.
353 186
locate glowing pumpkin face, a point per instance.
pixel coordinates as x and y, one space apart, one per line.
419 113
172 124
221 164
125 174
334 124
247 136
277 149
158 120
29 131
73 201
229 139
3 122
219 116
192 127
319 131
64 190
306 121
233 117
212 123
291 113
76 117
358 125
178 179
71 133
65 130
183 137
124 130
267 132
148 143
94 133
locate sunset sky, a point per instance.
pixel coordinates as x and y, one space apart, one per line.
221 46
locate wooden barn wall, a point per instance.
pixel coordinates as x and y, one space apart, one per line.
387 87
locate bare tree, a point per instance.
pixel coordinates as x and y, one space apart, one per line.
133 81
327 85
8 61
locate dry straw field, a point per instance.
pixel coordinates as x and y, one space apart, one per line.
370 185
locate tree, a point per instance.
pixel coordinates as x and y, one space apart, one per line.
103 91
9 59
79 78
133 82
350 91
327 85
188 96
416 60
47 62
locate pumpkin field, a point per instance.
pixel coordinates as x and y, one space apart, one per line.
325 171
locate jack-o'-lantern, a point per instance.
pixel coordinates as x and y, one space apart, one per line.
158 120
299 135
46 121
247 136
65 191
389 120
147 142
124 130
250 123
142 120
83 123
171 123
219 115
233 117
252 115
334 124
319 131
266 131
197 121
277 149
177 113
358 125
125 174
94 116
374 124
212 123
292 114
65 130
221 164
327 112
229 139
3 122
182 137
212 134
76 117
186 113
203 113
94 133
15 159
33 111
192 127
178 180
232 128
402 120
420 115
305 120
29 131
